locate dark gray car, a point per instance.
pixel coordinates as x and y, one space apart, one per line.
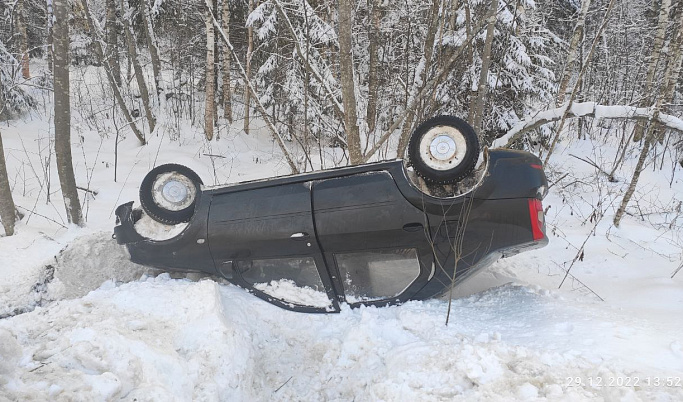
364 235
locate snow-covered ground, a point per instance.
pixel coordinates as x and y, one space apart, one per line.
86 324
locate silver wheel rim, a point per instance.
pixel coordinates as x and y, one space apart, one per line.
173 191
443 148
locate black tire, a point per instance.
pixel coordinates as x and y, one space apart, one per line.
169 192
443 149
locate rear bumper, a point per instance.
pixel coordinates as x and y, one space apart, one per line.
188 251
124 231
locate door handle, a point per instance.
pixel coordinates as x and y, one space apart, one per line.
300 236
412 227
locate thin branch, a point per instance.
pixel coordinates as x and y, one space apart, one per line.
87 190
677 269
595 165
33 212
580 251
557 181
285 383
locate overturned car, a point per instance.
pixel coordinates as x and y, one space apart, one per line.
363 235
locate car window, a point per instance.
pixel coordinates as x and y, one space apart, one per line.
294 280
377 274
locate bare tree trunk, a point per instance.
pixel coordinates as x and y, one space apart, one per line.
573 52
7 208
107 69
455 5
676 63
113 41
227 92
670 79
152 44
50 18
348 85
23 38
636 175
216 66
307 84
139 76
405 134
373 63
250 50
478 109
654 61
210 70
677 60
63 114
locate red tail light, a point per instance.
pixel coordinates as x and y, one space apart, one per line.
537 218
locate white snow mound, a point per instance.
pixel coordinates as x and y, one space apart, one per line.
165 339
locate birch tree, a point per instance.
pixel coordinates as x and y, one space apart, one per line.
670 79
662 24
669 90
250 50
50 20
210 70
573 52
152 45
7 208
227 91
63 113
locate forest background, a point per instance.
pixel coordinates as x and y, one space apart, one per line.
349 76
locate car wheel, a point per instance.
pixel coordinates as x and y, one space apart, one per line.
168 193
443 149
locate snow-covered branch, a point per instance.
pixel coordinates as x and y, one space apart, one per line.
316 74
587 109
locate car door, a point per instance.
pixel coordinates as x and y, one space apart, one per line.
264 239
375 242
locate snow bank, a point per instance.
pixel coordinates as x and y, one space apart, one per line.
180 340
88 262
154 340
